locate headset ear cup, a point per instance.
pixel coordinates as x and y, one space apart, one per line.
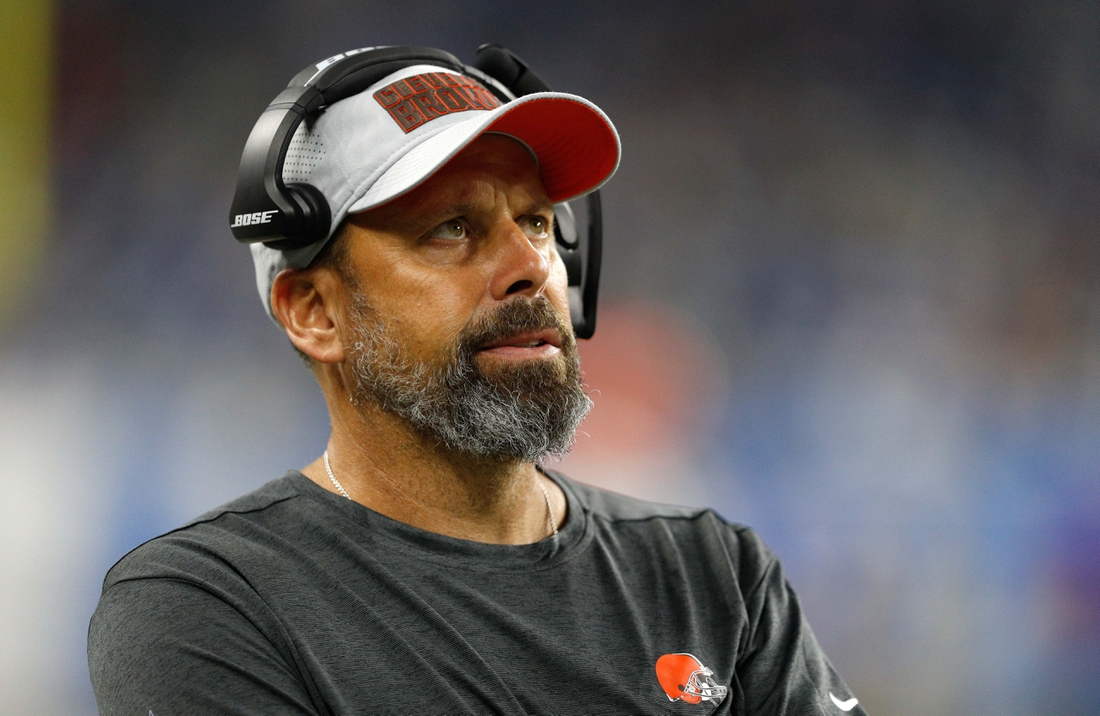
315 212
576 313
314 217
504 66
498 63
573 266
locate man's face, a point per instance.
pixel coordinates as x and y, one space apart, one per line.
457 315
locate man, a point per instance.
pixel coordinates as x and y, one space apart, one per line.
426 563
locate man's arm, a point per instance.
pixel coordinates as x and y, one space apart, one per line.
783 669
165 646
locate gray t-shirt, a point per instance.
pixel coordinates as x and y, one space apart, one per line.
293 600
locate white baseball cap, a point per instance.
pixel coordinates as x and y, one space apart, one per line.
372 147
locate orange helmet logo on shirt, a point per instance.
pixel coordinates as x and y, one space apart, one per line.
684 678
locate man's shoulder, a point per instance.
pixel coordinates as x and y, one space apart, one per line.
616 507
644 528
613 507
205 541
273 492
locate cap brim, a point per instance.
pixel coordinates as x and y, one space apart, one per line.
575 144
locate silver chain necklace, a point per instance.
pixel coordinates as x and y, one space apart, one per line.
339 487
545 495
549 510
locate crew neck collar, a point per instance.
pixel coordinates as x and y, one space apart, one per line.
451 551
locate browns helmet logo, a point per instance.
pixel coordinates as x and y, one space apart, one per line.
684 678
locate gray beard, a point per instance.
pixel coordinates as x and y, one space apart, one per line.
525 412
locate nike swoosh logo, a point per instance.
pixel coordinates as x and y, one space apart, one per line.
844 705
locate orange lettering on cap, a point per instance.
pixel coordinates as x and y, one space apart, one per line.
414 101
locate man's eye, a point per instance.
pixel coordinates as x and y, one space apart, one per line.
538 227
452 230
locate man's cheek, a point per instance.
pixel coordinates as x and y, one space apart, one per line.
557 290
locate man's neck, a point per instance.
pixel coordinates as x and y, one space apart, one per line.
385 465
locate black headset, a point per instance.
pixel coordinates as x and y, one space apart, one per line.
290 216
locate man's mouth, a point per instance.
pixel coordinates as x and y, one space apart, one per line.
529 344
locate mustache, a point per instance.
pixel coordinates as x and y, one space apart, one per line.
518 315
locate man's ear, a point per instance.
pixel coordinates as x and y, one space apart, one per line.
305 302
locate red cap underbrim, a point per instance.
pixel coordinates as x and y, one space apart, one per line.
576 145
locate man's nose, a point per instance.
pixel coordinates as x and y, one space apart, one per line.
522 266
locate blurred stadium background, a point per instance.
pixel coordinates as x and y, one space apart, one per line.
851 297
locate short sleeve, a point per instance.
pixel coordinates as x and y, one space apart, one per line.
782 670
165 646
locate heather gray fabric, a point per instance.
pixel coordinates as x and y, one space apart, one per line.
292 600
